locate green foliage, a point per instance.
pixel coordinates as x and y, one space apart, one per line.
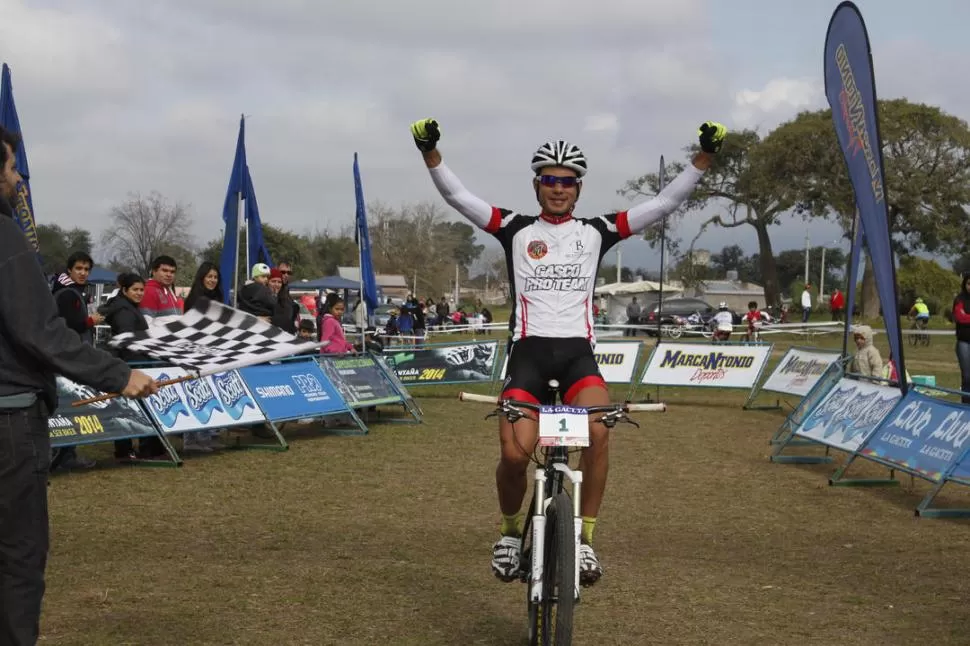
57 243
919 277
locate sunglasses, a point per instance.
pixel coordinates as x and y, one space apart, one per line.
286 272
552 180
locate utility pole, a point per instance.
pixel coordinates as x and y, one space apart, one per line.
806 258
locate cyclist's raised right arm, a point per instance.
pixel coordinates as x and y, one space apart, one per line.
426 134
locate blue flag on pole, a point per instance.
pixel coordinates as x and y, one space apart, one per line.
229 262
23 208
254 227
368 283
851 91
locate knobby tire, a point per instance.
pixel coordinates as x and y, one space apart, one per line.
559 574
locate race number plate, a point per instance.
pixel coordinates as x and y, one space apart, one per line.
563 426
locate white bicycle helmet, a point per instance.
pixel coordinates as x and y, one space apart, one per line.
559 153
722 306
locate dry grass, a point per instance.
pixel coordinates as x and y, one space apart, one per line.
385 539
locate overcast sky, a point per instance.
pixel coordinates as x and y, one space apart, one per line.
118 95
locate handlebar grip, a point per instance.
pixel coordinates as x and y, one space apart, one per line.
647 408
472 397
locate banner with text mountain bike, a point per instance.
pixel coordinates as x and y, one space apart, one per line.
799 370
210 403
617 360
452 363
113 419
709 365
848 414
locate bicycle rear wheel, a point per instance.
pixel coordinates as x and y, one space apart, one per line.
552 618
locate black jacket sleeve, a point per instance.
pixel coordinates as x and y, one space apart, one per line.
29 316
71 308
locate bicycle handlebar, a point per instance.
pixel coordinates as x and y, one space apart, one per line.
626 408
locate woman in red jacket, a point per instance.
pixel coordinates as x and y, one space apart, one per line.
961 318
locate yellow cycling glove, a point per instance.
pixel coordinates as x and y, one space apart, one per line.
426 134
711 136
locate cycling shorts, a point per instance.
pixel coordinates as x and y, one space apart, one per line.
534 360
922 317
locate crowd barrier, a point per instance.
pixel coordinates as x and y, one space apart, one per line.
325 387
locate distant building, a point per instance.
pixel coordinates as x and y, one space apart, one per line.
737 294
392 285
700 257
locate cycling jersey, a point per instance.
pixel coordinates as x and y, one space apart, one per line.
552 267
723 321
922 311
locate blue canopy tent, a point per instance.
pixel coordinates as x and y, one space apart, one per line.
327 282
102 276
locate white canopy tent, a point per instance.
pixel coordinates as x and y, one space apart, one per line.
614 297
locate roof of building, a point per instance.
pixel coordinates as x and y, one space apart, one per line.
730 287
383 280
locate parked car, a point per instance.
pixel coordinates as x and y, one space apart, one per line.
682 308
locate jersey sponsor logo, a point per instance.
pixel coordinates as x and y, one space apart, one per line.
537 249
558 278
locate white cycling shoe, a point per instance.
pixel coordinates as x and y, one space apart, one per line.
589 566
506 554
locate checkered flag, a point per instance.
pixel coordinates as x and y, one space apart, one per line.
212 337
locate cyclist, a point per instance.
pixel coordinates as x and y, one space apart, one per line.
920 313
722 323
552 261
755 320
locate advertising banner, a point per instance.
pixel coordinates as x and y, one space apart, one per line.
799 370
444 364
293 390
848 414
705 364
923 436
113 419
360 380
208 403
617 360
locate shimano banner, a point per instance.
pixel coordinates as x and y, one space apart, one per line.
851 92
293 390
849 414
924 437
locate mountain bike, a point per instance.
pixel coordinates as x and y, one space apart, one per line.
919 336
549 561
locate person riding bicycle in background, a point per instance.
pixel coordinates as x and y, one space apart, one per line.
754 319
553 259
722 323
920 312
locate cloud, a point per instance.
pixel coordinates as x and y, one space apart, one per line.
778 100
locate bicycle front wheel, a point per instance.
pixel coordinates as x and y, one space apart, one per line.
554 616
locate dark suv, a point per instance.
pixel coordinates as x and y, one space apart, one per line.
680 307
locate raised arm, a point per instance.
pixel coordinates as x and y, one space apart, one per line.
642 215
426 134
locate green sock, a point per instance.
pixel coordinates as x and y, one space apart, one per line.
586 535
510 525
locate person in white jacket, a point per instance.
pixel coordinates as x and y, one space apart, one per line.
806 302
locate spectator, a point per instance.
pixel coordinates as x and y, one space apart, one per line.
754 319
35 346
867 361
288 317
331 330
961 318
72 306
122 314
806 303
307 331
256 298
632 317
206 284
442 311
160 304
69 295
837 304
487 319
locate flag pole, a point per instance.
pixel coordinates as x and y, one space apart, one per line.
661 180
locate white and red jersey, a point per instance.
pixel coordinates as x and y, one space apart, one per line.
553 265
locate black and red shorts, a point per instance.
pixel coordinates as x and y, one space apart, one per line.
534 360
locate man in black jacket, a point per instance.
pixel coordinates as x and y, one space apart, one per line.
35 345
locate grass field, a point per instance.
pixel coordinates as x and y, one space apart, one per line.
385 539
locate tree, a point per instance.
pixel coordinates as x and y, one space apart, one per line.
688 272
57 243
745 180
608 272
921 278
926 155
145 227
